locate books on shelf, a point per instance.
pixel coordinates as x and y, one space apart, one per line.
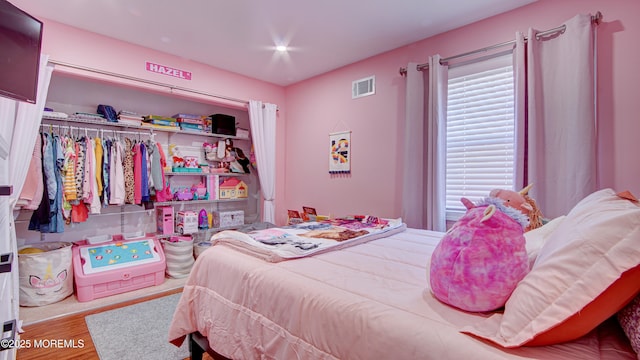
129 121
187 116
56 115
151 118
87 116
129 118
159 127
190 121
163 122
191 127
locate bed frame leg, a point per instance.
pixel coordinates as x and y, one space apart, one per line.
199 344
194 348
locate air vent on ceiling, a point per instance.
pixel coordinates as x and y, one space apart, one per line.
363 87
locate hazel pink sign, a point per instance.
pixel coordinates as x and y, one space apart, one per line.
161 69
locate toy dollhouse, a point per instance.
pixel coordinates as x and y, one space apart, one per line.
233 188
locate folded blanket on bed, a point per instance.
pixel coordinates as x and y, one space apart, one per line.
305 239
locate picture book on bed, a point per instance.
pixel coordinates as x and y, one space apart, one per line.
308 238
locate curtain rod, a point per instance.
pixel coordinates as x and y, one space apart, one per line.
595 19
150 82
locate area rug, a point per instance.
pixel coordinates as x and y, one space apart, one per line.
138 331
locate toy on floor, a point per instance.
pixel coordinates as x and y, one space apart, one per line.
117 266
480 260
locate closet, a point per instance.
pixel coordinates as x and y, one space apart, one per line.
70 94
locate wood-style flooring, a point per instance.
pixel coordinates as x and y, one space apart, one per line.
71 327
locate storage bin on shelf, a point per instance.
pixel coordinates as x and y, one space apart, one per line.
228 218
45 273
118 266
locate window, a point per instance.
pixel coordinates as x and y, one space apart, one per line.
480 131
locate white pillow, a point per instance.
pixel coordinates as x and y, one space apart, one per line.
588 252
536 238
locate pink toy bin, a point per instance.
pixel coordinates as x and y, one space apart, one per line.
117 266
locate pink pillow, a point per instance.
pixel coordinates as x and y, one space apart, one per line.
629 319
596 243
478 263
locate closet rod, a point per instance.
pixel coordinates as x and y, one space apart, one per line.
150 82
595 19
132 212
63 127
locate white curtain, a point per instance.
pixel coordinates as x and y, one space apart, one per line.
413 184
263 132
19 125
561 117
27 120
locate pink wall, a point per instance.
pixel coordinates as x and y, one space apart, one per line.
323 104
311 109
71 45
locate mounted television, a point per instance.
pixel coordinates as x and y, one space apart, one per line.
20 42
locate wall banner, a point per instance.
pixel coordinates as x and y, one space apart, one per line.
340 152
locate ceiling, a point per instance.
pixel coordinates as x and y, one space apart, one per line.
241 35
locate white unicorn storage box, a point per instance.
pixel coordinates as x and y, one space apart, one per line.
117 266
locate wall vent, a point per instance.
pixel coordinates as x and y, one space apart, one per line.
363 87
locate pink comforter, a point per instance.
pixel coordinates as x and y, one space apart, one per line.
369 301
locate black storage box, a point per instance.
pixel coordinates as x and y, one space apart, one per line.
223 124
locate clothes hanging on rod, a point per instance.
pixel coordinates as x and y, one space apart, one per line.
83 174
595 19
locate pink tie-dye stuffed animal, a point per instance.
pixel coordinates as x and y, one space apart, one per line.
480 260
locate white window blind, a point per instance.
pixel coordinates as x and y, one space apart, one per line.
480 131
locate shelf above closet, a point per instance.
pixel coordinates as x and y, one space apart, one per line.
139 128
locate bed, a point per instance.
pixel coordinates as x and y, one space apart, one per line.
370 300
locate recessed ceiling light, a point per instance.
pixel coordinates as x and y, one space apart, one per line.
281 48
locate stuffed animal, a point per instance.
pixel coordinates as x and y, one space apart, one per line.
480 260
176 156
521 201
